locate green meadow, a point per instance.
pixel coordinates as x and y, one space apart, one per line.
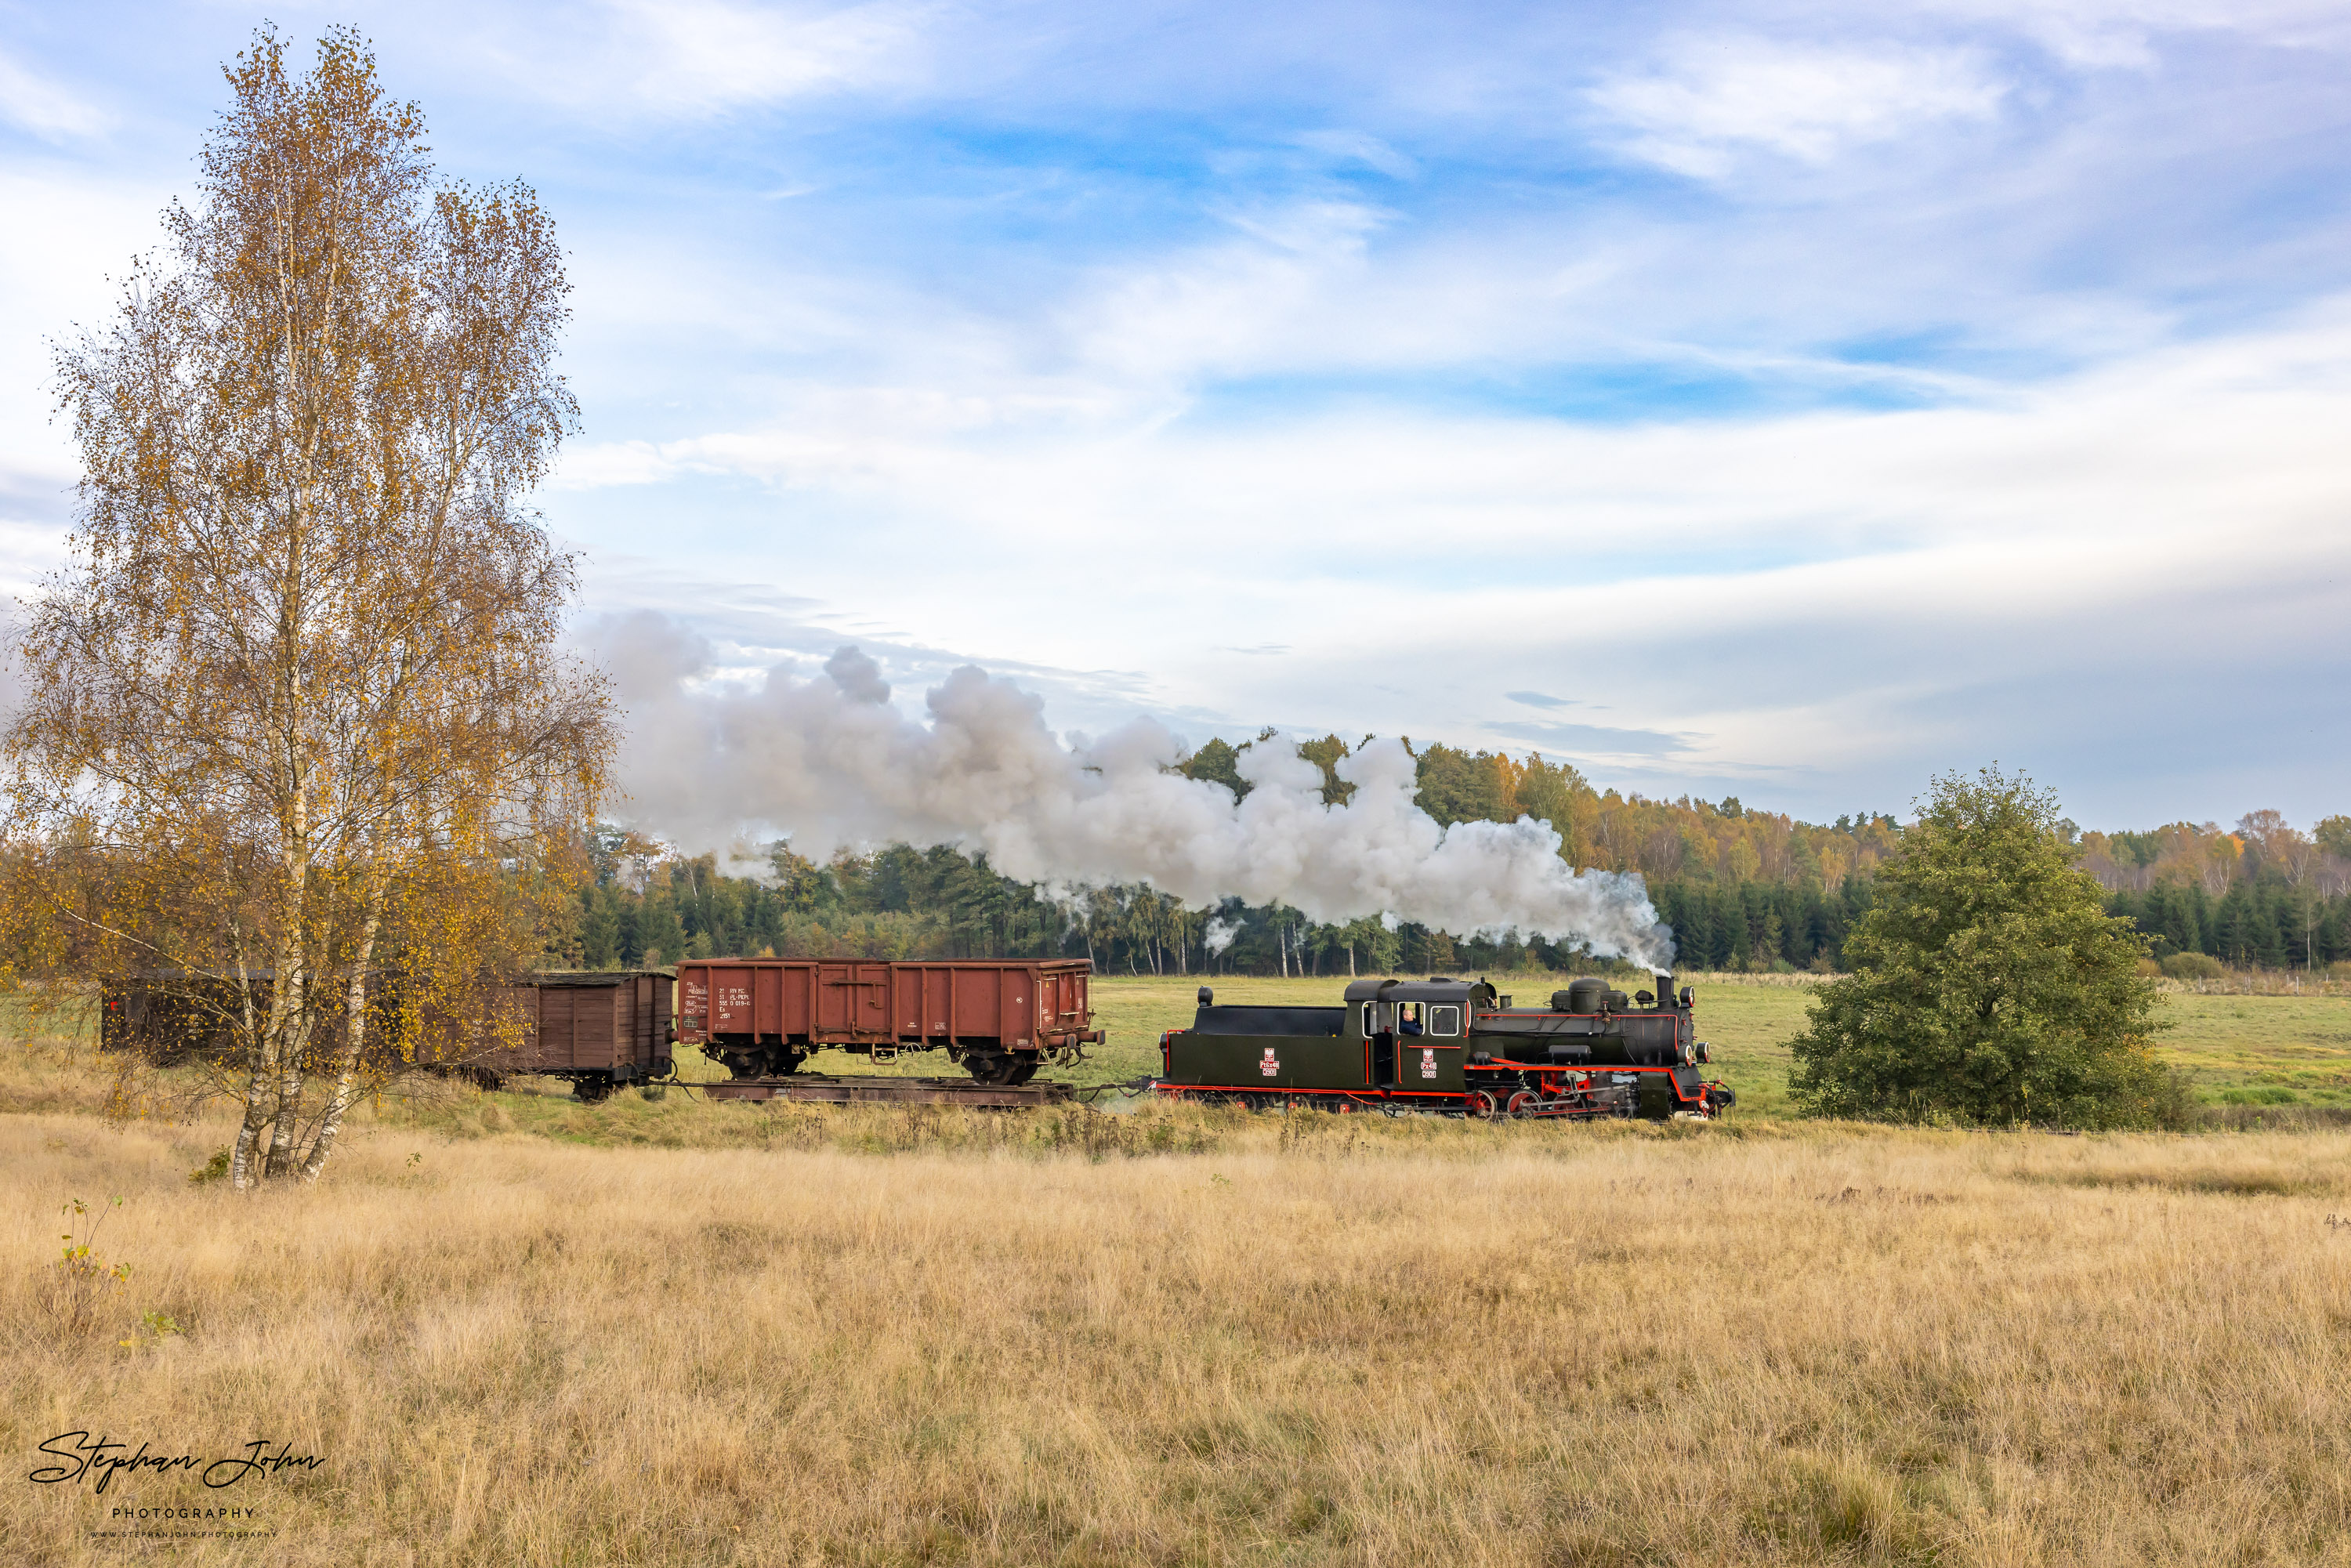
2266 1050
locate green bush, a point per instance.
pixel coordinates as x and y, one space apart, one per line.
2194 967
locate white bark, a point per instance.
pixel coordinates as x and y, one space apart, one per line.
354 1032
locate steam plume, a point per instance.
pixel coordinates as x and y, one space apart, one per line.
1219 934
829 762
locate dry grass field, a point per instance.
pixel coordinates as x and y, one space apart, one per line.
515 1329
1177 1337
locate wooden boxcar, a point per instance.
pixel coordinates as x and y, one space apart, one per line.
600 1028
998 1018
596 1029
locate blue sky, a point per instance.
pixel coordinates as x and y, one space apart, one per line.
1787 400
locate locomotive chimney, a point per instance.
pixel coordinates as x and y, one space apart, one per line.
1665 997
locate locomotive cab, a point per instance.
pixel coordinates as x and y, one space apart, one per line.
1416 1032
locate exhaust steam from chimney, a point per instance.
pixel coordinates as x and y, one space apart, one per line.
829 762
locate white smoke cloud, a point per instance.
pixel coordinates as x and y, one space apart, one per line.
829 762
1219 934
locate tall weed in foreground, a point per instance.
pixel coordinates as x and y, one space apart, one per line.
81 1284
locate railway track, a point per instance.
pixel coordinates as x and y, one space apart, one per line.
821 1089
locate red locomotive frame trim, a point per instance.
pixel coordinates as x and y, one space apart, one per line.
1358 1094
1506 1064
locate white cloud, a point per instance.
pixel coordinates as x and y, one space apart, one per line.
35 104
1358 147
1718 96
2128 34
1758 598
701 56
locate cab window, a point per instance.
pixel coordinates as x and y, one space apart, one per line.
1445 1021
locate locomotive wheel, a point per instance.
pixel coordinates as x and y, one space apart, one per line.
1481 1105
1522 1104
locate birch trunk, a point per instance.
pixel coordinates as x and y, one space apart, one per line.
354 1030
289 1004
241 1173
291 1038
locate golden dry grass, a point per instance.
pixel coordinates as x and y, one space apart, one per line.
1321 1340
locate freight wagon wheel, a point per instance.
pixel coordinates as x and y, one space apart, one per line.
1023 1071
995 1070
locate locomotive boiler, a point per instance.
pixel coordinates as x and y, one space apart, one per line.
1458 1046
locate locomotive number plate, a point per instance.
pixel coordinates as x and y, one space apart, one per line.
1271 1066
1429 1063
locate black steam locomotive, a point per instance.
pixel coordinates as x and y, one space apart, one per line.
1453 1045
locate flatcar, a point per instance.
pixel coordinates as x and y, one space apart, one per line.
1455 1047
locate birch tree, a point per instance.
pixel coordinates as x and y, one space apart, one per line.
299 725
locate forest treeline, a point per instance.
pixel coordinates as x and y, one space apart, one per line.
1742 889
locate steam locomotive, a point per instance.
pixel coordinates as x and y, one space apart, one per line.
1456 1046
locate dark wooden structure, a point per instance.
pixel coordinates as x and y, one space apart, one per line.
600 1028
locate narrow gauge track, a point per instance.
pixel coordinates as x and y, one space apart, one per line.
821 1089
1577 1104
810 1088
